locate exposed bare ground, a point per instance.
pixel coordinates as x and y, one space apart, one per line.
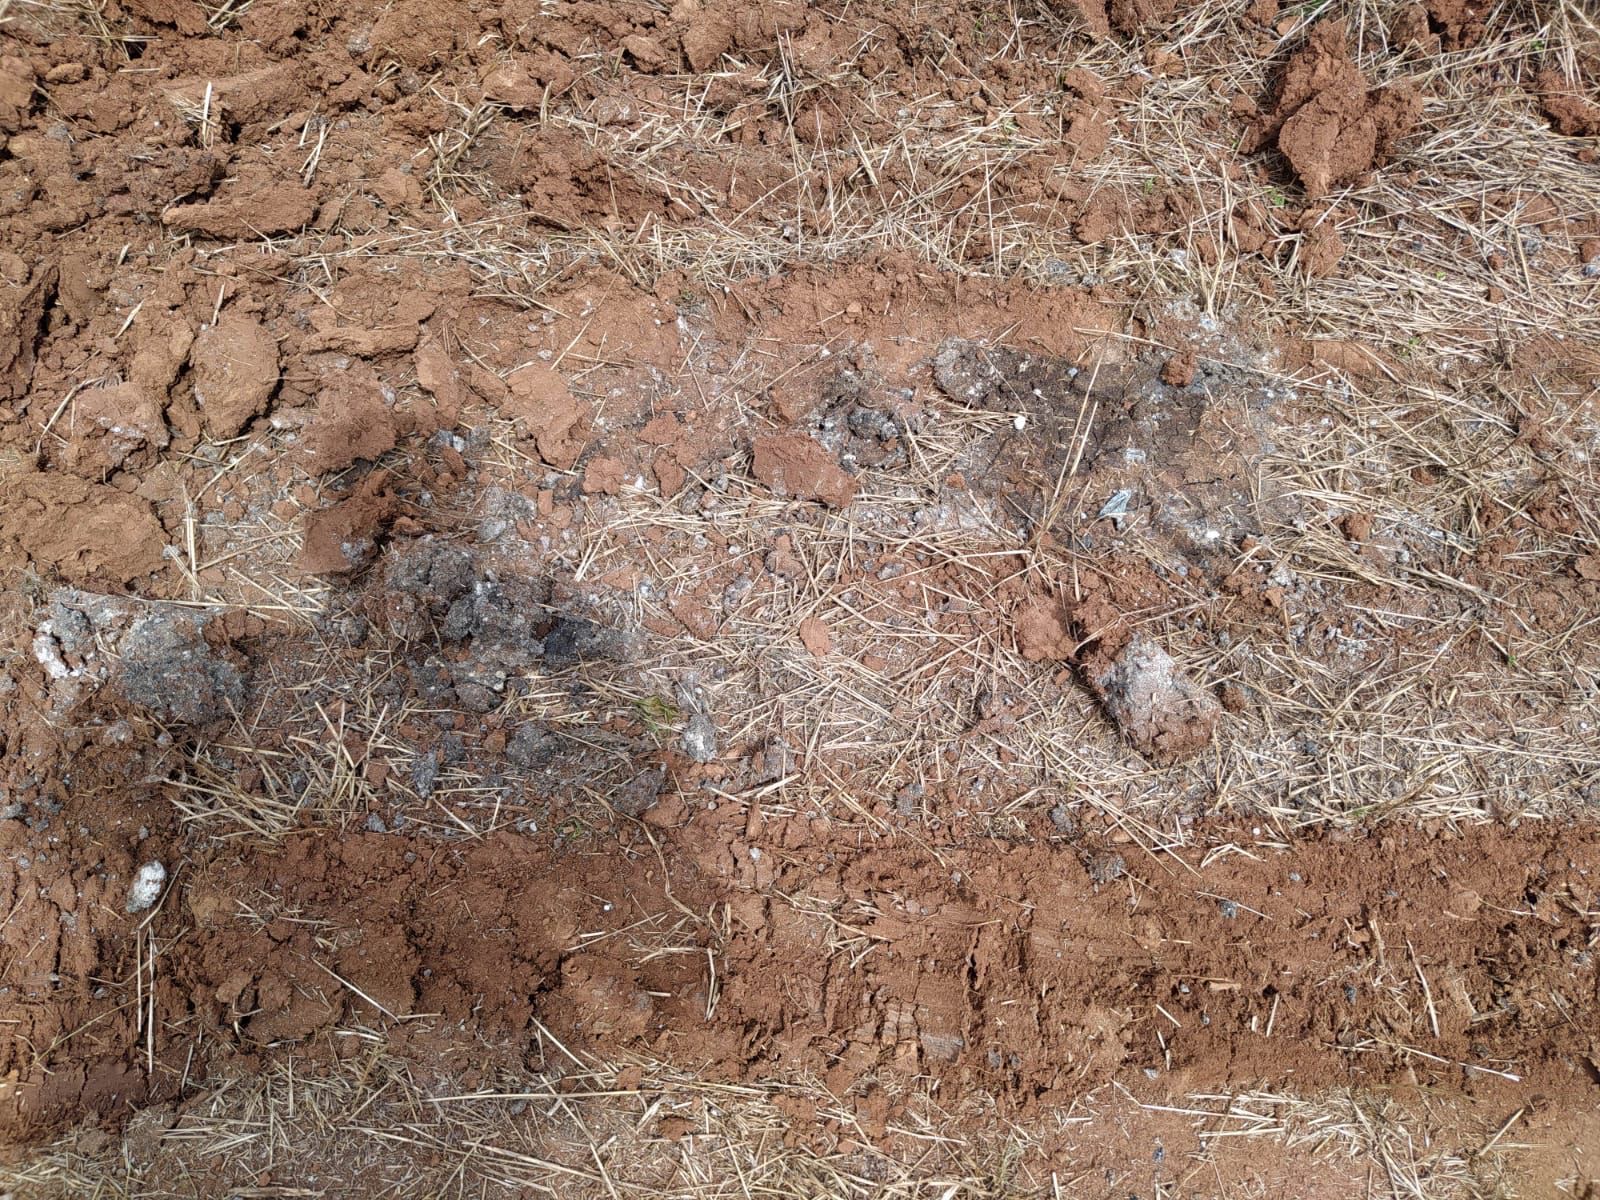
1405 632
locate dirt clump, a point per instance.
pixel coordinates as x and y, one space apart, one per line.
1321 247
112 423
1178 371
513 85
1162 713
438 375
85 532
344 536
709 36
792 464
1357 527
1458 24
1325 118
1041 631
814 636
16 91
245 211
350 424
1126 17
539 398
604 476
235 366
23 302
1571 111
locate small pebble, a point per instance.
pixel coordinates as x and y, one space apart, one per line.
146 888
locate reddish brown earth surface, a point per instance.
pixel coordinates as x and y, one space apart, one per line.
970 604
1011 969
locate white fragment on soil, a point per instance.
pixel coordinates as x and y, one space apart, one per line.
1117 505
46 650
699 737
146 888
1116 508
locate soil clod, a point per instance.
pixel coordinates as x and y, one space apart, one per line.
235 366
1328 121
792 464
1162 713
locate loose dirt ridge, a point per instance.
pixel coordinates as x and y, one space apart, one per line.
790 600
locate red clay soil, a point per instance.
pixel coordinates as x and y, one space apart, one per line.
1325 118
1036 972
167 224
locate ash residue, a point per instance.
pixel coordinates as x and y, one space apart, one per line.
155 656
532 746
864 420
699 737
477 630
422 581
574 639
1058 407
997 377
169 669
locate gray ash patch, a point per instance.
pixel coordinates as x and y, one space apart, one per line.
639 793
1052 396
475 633
863 419
699 738
437 570
1001 379
1131 415
152 655
1107 867
425 772
532 746
507 614
572 640
1176 455
422 582
169 669
471 636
